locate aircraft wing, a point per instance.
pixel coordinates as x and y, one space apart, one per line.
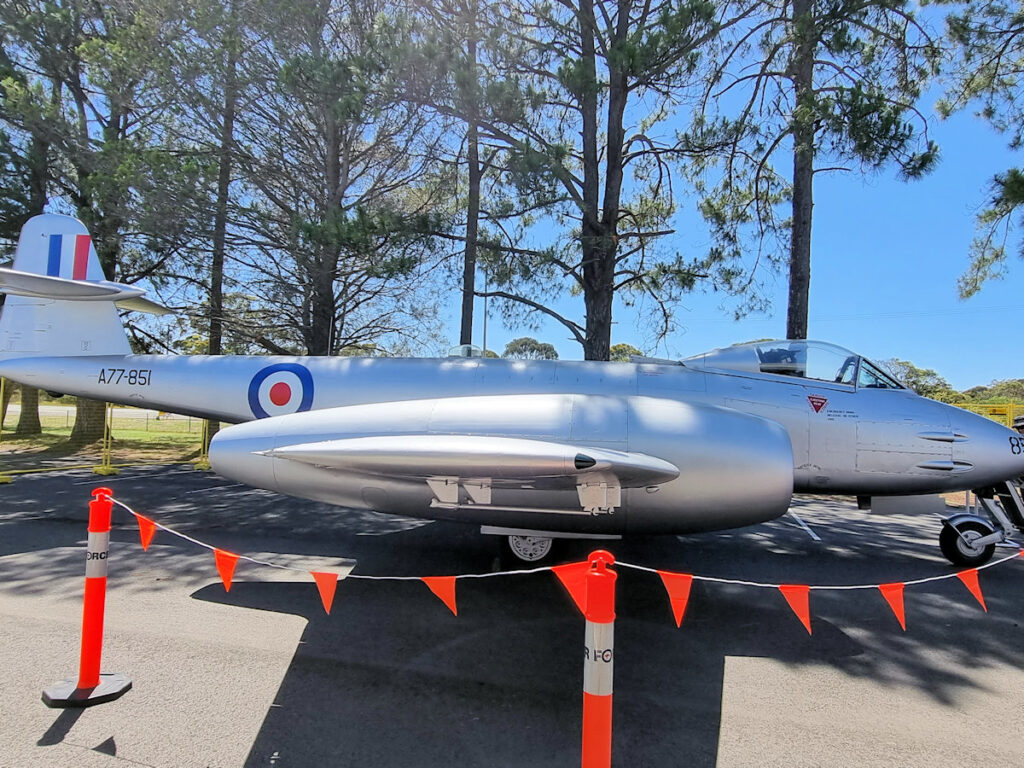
499 460
58 288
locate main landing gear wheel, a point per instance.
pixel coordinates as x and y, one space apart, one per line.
530 549
957 544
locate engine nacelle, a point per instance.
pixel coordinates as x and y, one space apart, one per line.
603 464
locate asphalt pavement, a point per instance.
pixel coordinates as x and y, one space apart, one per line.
261 676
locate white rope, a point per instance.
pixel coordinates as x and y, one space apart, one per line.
257 561
837 587
696 577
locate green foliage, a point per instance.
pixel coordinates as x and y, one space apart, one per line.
14 188
804 86
335 169
994 226
621 353
347 154
249 329
999 391
987 41
924 381
361 350
575 100
527 348
83 83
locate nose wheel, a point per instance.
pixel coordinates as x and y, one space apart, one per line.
968 542
970 539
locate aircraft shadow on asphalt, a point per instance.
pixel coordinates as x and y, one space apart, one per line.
391 678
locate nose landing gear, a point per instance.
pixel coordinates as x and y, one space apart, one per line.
970 539
962 542
519 547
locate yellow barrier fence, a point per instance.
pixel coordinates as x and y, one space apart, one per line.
1004 413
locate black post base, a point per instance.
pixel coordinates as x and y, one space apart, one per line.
66 693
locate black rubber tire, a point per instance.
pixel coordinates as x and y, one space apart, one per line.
955 550
511 561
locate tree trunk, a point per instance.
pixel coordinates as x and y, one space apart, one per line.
38 167
324 263
89 418
473 201
598 261
803 171
598 270
28 420
472 232
220 219
9 388
599 323
321 310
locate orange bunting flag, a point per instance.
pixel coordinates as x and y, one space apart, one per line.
893 594
444 588
798 596
574 578
146 530
326 583
970 580
678 587
225 566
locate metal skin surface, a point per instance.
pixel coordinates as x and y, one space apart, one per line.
711 447
861 442
717 441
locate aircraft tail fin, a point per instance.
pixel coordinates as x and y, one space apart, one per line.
58 302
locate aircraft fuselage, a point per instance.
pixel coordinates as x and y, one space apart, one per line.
844 439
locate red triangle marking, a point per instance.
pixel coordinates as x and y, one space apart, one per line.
225 566
444 588
326 583
817 402
147 528
970 580
574 578
798 597
893 594
678 587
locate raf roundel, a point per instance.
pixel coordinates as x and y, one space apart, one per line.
280 389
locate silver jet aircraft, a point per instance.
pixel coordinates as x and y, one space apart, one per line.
531 450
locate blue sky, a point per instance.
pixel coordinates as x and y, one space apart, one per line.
886 256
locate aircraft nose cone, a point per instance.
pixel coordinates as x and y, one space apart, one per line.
1016 441
995 451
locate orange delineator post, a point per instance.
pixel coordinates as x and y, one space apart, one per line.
92 687
599 652
95 601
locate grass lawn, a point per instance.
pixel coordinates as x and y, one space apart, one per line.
135 439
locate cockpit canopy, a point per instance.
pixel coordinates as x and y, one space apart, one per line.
804 359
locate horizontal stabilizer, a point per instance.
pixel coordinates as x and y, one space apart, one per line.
142 304
478 456
61 289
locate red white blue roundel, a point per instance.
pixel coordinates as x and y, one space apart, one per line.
280 389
